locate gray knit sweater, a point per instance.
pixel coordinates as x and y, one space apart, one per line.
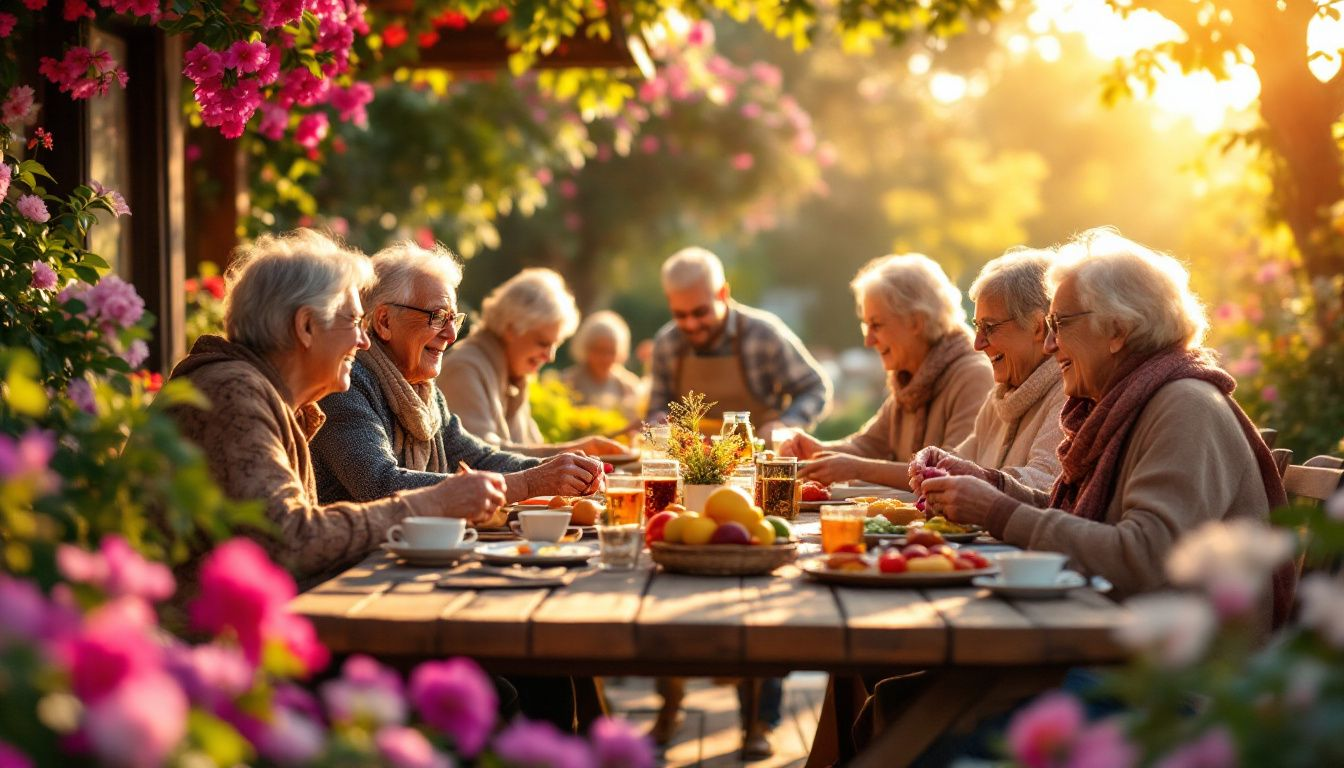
352 452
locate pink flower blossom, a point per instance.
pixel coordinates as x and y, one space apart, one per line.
11 757
112 650
1269 394
7 22
1214 749
138 724
18 106
114 198
617 745
1172 629
35 5
274 121
83 73
456 697
147 8
29 457
1322 603
767 74
701 34
278 13
743 161
1233 562
312 130
202 63
649 145
1102 745
24 608
350 103
408 748
81 394
136 353
211 675
291 738
1042 734
32 207
366 692
241 590
6 174
540 745
77 9
247 57
44 277
116 569
114 300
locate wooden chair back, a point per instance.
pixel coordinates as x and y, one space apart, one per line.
1312 484
1283 457
1270 436
1329 462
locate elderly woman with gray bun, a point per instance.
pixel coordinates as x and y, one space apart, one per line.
392 429
486 377
293 323
599 376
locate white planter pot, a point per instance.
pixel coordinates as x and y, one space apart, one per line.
696 495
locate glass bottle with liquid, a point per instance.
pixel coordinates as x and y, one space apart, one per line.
739 423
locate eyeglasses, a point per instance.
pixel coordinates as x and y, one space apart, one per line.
986 327
357 321
1054 320
438 318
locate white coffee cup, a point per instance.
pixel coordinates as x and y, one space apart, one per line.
542 524
1031 569
431 532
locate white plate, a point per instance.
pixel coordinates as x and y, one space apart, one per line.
1066 581
872 577
571 553
431 556
815 506
840 491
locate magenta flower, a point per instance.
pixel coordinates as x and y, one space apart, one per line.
274 121
76 9
28 456
114 198
6 174
617 745
1041 735
18 105
540 745
44 277
32 207
278 13
243 591
9 756
1215 749
408 748
140 723
116 569
1103 746
83 73
312 130
25 611
366 692
211 675
247 57
457 698
112 649
201 63
350 103
115 300
7 22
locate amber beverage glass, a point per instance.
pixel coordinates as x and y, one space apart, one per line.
625 500
662 484
841 524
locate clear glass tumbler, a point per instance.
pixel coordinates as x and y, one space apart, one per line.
619 546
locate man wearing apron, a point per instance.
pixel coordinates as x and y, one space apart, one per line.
742 359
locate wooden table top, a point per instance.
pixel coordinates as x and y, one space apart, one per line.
649 622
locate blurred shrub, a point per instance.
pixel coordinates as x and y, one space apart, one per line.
561 418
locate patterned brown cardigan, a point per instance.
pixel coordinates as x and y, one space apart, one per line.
257 448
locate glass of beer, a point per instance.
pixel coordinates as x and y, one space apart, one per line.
625 500
739 423
841 524
777 486
662 479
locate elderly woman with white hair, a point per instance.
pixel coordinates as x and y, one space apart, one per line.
911 315
599 376
1017 429
293 324
392 430
1154 445
485 378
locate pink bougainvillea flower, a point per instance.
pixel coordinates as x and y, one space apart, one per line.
540 745
408 748
83 73
1041 735
138 724
24 608
115 300
1215 749
1102 746
618 745
247 57
210 674
243 591
311 130
19 106
6 174
274 121
32 207
44 277
457 698
366 692
278 13
202 63
350 103
146 8
76 10
7 22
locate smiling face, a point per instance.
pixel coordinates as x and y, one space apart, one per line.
897 339
527 352
600 357
699 312
412 343
1087 357
1013 351
333 352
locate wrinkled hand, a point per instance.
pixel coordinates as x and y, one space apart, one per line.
802 445
830 468
928 456
567 474
472 495
600 446
961 498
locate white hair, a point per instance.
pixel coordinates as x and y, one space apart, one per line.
531 299
1017 277
693 268
398 268
913 284
1145 292
275 277
601 325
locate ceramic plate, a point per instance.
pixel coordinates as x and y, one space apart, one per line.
815 506
817 569
847 491
629 457
573 553
1067 580
430 556
495 534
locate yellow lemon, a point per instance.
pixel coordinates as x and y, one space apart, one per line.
731 505
762 533
696 530
672 534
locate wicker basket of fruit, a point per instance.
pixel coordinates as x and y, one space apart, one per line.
723 559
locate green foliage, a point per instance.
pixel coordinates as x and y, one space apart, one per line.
703 461
561 419
205 304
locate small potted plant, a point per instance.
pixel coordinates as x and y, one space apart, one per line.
706 464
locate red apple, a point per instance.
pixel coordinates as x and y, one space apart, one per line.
913 551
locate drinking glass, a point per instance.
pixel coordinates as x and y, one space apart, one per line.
625 500
659 437
619 546
777 486
739 423
841 524
662 478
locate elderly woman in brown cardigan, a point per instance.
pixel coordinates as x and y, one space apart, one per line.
293 323
1154 445
911 315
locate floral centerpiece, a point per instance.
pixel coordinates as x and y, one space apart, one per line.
706 464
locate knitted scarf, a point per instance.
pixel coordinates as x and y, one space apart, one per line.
416 421
914 392
1010 404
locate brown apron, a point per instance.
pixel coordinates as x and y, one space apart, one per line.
722 380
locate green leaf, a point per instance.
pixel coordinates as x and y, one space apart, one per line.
23 393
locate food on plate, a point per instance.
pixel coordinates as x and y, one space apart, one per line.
930 564
656 527
815 491
925 537
895 510
891 561
585 512
881 524
559 502
859 548
846 561
943 525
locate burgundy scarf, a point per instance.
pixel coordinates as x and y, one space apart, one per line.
1096 434
913 393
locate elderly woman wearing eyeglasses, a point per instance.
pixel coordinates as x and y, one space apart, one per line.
294 324
486 377
392 429
1154 445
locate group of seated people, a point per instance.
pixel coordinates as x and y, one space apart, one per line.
1076 413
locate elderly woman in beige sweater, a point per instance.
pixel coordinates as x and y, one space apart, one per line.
1017 430
293 323
911 315
1154 445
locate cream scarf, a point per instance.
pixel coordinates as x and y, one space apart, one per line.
1010 404
416 420
914 392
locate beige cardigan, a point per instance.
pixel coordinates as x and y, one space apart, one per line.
1187 463
1025 447
475 383
889 435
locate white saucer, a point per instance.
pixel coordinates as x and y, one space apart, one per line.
1066 581
429 555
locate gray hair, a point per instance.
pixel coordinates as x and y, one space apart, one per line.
602 325
693 268
275 277
913 284
1018 277
399 266
531 299
1145 292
